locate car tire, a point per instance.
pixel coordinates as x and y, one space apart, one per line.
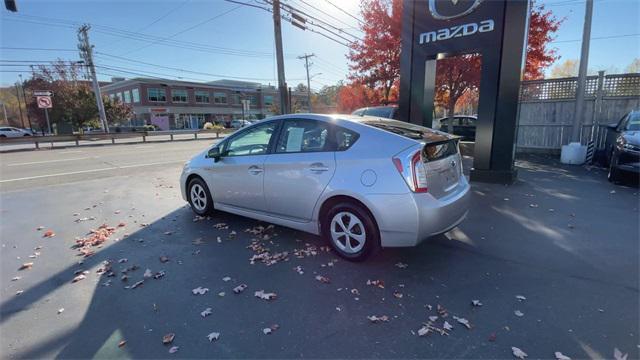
351 231
614 173
199 197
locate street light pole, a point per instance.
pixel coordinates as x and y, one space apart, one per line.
26 107
19 105
86 52
306 65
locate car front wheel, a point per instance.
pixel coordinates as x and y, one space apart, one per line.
351 231
199 197
614 173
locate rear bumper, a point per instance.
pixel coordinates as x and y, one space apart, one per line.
408 219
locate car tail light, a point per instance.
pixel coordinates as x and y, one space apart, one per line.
415 173
419 173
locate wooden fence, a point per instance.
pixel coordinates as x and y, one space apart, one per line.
546 108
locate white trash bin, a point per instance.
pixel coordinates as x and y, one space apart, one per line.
574 154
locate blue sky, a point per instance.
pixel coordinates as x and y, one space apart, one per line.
228 29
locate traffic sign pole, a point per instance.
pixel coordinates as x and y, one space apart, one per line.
46 115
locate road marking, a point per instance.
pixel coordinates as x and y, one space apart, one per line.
46 162
71 152
92 170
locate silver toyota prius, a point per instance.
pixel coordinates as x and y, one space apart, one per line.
360 182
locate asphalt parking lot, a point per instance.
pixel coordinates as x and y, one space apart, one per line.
553 260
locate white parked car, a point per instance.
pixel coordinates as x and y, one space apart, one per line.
361 182
237 124
10 132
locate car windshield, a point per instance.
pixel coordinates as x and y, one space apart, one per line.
408 130
634 122
385 112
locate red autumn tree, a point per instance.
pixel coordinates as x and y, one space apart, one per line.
542 27
456 76
375 61
353 96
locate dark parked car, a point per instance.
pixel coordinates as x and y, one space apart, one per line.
623 146
387 112
463 125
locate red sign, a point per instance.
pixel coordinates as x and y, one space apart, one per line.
44 102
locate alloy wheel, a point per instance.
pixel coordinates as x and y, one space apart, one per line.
348 232
198 197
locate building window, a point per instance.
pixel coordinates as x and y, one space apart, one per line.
202 97
135 94
156 94
253 100
119 96
179 96
268 100
219 98
127 97
235 99
112 97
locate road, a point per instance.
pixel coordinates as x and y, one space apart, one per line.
562 237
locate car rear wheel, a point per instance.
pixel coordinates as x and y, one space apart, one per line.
351 231
199 197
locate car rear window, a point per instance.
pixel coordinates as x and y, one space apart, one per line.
439 150
408 130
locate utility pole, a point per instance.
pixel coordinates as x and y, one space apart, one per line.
582 73
20 105
86 53
4 109
306 65
282 83
26 107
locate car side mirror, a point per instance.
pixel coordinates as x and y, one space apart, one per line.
214 153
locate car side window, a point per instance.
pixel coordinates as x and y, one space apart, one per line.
252 141
345 138
359 112
633 122
623 122
303 135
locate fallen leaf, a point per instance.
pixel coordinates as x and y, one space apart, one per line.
476 303
221 294
168 232
16 278
447 326
123 260
26 266
492 337
19 292
397 295
137 284
377 319
378 283
423 331
463 321
265 296
226 278
173 349
49 234
159 274
213 336
147 274
199 291
78 278
355 292
518 353
122 224
60 311
267 331
442 311
197 241
323 279
299 270
617 354
206 312
40 228
433 318
168 338
240 288
164 259
521 298
518 313
122 343
401 265
561 356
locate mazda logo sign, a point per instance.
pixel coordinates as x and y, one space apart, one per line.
451 9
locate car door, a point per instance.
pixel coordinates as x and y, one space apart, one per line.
237 177
299 169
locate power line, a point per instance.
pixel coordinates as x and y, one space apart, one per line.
596 38
292 9
326 13
35 49
344 11
185 30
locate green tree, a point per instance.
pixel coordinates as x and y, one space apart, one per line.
117 112
633 67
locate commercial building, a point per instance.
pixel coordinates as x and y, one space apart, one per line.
172 104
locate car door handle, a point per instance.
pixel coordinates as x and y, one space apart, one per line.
318 167
255 170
